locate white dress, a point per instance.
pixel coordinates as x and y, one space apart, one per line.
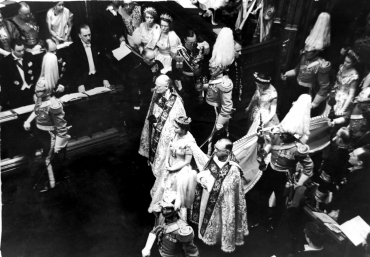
165 45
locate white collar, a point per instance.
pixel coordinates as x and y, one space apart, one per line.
17 58
309 248
219 163
111 9
167 94
84 44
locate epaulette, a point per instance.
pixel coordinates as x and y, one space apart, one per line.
302 149
325 66
226 85
185 234
174 226
55 103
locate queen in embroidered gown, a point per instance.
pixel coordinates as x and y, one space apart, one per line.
168 43
147 35
178 176
262 105
346 84
155 138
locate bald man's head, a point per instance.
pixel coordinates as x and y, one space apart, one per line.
162 84
148 56
24 11
223 148
226 143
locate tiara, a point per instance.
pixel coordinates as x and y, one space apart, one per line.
260 79
166 16
183 120
150 9
354 55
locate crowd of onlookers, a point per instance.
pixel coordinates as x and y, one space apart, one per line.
341 176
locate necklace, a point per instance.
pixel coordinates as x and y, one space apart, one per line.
181 137
149 28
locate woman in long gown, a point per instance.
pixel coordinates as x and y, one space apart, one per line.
346 83
59 20
147 35
262 105
131 15
168 43
179 177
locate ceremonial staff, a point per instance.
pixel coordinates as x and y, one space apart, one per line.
331 116
261 142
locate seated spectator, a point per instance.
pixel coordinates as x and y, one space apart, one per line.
357 122
353 199
60 22
27 26
315 237
87 68
8 33
147 35
168 43
17 77
365 138
131 15
334 168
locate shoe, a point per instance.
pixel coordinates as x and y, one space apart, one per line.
45 189
270 229
254 225
49 185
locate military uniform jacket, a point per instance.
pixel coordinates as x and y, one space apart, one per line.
175 239
312 72
285 156
29 31
186 69
12 95
50 117
219 94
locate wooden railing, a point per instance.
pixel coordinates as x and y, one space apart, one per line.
97 121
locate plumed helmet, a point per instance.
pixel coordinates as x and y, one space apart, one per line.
319 37
223 53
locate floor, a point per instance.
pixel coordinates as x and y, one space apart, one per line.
99 208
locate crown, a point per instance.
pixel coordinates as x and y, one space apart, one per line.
261 80
183 120
150 10
354 55
166 16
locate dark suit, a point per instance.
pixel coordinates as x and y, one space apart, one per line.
111 28
14 137
353 199
78 73
11 82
